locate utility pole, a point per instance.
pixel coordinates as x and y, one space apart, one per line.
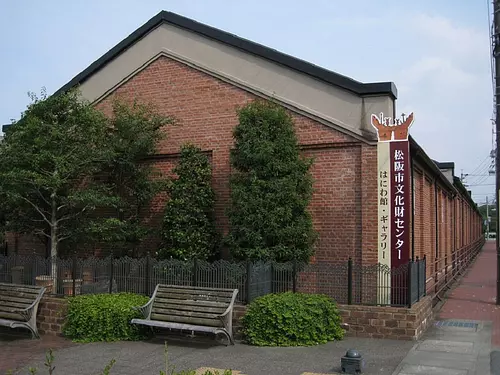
487 218
496 56
462 176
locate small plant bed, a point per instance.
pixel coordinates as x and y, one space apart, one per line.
292 319
104 317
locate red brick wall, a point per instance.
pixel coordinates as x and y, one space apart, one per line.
458 223
343 208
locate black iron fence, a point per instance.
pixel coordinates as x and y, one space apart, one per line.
446 269
346 282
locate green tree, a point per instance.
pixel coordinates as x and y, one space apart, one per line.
47 159
271 188
128 177
188 225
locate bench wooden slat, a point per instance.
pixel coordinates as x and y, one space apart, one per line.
189 306
187 319
197 291
22 300
197 288
183 313
195 297
9 309
13 304
14 293
191 301
26 289
12 316
157 323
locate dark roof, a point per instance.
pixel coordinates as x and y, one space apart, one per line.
445 164
245 45
419 153
4 127
466 193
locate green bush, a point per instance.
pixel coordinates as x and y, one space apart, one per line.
104 317
271 188
189 222
292 319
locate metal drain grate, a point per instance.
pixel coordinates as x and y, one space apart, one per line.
455 323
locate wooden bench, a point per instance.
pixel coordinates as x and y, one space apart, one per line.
190 308
19 306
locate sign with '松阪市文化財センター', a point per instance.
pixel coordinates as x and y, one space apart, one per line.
393 184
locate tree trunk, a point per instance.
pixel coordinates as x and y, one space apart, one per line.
54 243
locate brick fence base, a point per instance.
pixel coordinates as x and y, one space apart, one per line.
375 321
51 315
388 322
361 321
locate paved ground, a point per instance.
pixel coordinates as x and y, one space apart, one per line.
475 296
469 348
450 350
17 349
133 358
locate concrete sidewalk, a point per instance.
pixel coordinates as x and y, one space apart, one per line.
451 348
467 328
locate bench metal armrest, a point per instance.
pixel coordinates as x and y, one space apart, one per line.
231 304
27 312
146 309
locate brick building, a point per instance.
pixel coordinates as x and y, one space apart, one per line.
200 75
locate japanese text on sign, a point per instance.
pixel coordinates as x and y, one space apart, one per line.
384 203
399 203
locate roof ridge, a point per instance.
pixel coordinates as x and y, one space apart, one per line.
235 41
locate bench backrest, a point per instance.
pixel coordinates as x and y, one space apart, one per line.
15 297
191 305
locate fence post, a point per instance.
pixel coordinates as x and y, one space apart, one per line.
147 275
349 281
73 273
111 261
446 268
248 280
419 262
436 286
425 276
273 286
294 275
195 272
409 286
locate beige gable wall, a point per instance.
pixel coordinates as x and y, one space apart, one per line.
338 107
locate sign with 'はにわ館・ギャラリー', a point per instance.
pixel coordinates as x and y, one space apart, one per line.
394 187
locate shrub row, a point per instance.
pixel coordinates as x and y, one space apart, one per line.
286 319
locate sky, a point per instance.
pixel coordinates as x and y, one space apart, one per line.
437 52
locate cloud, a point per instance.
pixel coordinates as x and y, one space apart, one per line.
446 82
441 33
442 71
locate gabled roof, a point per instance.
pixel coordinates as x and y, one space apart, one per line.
245 45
